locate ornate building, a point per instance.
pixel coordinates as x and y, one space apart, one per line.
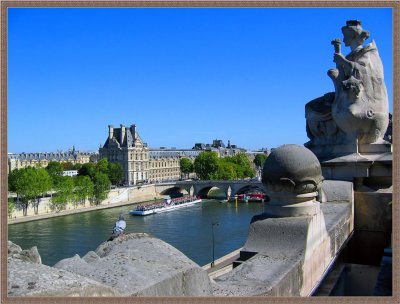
42 159
125 146
141 164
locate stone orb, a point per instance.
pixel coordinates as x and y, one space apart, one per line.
292 168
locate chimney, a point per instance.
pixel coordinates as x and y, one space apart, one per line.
122 135
133 131
110 131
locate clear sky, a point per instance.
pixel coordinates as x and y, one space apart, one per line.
182 75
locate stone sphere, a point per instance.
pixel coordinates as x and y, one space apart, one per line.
292 168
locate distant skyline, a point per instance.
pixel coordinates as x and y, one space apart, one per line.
182 75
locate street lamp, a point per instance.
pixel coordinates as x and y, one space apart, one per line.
213 255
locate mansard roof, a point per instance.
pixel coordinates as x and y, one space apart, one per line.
163 153
56 156
126 137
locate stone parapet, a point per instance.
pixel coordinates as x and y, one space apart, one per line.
292 253
135 264
141 265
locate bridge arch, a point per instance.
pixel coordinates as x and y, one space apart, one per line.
248 188
175 191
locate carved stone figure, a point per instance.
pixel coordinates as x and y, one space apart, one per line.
358 109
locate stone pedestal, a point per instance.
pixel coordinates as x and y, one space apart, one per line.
370 169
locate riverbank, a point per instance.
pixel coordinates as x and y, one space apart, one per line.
116 198
36 217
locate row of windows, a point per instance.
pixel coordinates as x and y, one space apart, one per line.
139 175
139 156
154 171
164 164
157 176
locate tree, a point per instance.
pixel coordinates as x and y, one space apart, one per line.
259 160
12 178
115 173
226 170
101 187
83 189
68 166
88 169
25 187
77 166
243 168
54 168
10 207
42 184
186 166
64 193
206 165
102 166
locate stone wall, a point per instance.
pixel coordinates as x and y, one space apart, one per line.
116 197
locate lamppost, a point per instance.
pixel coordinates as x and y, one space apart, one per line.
212 229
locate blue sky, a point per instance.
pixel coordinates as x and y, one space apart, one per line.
182 75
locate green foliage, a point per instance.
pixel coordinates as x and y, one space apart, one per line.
68 166
243 166
83 190
206 165
259 160
10 207
88 169
115 173
226 170
101 185
77 166
64 193
42 185
12 178
54 168
186 165
31 183
102 166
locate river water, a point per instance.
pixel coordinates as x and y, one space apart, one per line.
188 229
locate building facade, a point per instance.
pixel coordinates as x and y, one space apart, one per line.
165 163
142 164
219 147
42 159
124 146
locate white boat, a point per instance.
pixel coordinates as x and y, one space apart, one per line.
166 205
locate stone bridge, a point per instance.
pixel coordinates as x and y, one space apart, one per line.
202 188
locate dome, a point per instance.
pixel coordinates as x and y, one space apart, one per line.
292 168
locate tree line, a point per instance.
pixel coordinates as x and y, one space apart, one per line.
208 166
92 183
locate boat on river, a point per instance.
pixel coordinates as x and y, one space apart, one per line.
257 197
166 205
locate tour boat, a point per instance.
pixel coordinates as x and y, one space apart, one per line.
167 205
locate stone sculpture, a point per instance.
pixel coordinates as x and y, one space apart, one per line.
358 109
